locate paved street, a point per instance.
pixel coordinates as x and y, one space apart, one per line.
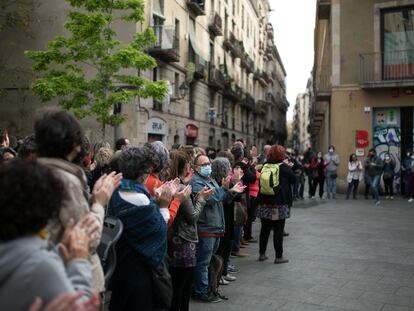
344 255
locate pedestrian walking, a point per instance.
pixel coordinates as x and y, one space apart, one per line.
318 171
332 162
274 201
388 176
373 167
299 170
354 175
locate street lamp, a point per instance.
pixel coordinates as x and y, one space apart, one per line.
183 90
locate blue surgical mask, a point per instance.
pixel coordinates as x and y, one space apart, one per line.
205 171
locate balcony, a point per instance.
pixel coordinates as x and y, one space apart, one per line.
230 89
216 79
322 83
216 25
197 7
262 48
261 107
386 70
269 31
267 77
167 45
324 9
247 63
270 54
234 46
258 76
248 101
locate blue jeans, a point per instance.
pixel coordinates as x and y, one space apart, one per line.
206 247
330 184
374 186
237 235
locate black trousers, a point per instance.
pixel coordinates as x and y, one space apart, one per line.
310 184
251 217
182 282
352 186
318 181
389 186
278 227
224 251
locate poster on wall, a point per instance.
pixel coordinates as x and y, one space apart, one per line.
387 134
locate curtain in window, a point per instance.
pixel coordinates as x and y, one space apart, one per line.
398 51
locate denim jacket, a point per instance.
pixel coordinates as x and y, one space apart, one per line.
211 219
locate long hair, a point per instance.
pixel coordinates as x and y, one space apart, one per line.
179 160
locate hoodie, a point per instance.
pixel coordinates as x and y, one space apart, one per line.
28 270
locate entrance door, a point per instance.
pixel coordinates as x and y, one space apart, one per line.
387 134
407 136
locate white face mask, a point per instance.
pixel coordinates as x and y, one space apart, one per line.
331 150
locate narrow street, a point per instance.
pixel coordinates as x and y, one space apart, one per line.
344 255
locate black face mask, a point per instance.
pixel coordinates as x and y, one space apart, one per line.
212 156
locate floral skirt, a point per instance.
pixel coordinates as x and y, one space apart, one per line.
182 253
273 212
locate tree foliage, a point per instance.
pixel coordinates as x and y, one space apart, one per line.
86 70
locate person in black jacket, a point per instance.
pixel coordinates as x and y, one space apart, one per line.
273 210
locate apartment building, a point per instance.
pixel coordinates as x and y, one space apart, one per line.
363 78
226 77
301 136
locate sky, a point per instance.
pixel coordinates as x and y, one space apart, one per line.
294 22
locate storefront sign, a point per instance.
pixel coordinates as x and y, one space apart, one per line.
360 152
156 126
191 131
361 139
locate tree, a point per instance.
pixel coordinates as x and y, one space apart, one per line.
93 47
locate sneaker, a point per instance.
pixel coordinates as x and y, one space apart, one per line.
387 197
286 233
206 298
223 281
229 278
378 203
281 260
391 198
232 269
410 200
263 257
238 254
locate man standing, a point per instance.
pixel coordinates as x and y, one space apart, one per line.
332 162
373 168
308 157
210 224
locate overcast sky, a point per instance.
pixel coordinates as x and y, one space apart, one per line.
294 23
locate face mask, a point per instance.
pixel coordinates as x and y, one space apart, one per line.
205 171
408 154
387 158
412 157
331 150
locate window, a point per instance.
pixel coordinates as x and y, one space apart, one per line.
398 43
176 85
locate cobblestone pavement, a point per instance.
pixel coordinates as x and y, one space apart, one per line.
344 255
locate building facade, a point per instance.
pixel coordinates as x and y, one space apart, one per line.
301 136
226 77
363 78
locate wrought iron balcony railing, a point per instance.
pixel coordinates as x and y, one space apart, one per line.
197 7
387 69
167 45
216 24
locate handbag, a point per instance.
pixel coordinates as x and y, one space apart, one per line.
162 286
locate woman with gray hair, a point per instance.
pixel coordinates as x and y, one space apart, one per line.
143 243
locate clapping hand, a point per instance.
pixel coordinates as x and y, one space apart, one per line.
75 243
237 174
164 194
237 188
205 193
225 182
105 186
184 194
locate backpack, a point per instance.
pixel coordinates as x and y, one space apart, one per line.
269 178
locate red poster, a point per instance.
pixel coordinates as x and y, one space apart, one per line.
361 139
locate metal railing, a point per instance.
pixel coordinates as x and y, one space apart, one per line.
386 66
166 38
216 24
323 79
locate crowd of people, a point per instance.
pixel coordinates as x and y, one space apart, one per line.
186 212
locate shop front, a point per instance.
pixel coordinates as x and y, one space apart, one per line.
157 130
